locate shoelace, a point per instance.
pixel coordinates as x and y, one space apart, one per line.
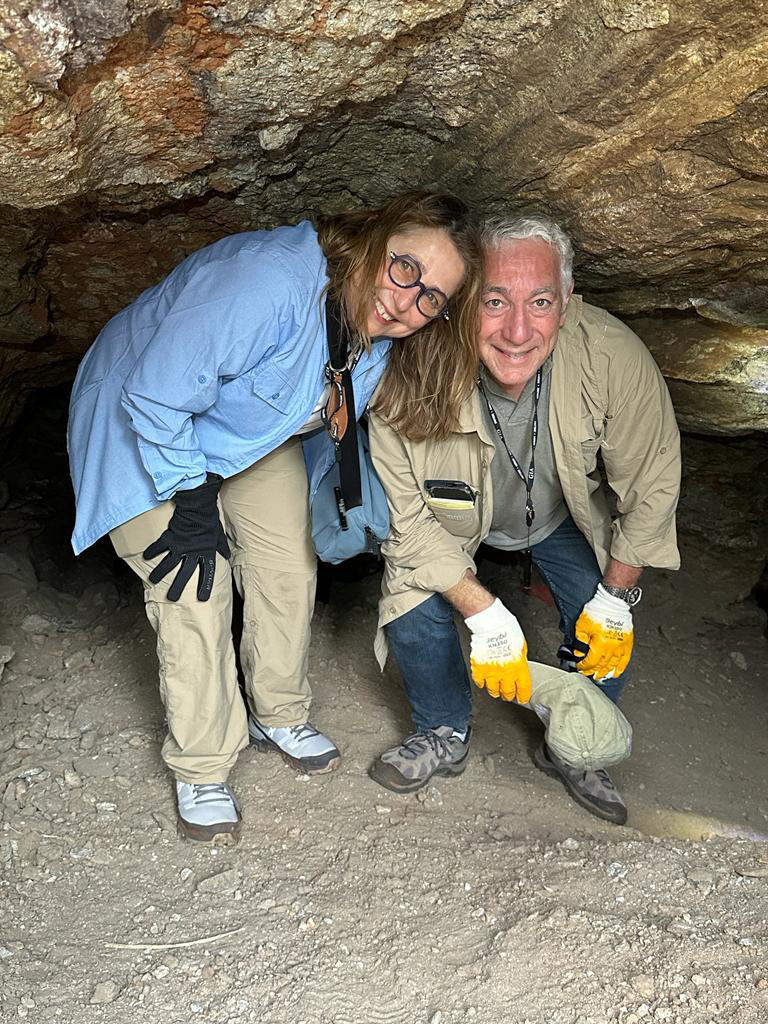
303 732
601 774
605 778
413 746
211 793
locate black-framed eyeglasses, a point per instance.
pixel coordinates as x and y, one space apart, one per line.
404 271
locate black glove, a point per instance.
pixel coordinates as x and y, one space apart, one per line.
193 537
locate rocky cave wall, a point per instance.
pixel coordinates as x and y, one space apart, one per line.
133 131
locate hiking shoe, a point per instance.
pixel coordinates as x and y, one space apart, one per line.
595 791
406 768
302 746
208 812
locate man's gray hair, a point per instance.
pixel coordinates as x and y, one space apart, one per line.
499 232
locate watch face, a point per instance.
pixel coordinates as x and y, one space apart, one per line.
633 595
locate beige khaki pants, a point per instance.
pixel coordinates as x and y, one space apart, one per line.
265 512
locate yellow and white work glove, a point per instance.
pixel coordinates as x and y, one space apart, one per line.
605 628
499 654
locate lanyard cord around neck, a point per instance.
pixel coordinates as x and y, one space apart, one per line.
529 477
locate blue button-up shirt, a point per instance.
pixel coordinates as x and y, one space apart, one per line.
208 371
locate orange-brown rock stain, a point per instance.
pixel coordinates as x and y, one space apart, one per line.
163 97
154 82
21 126
162 105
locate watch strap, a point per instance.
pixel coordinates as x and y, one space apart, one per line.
630 595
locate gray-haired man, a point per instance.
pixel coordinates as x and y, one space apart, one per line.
560 381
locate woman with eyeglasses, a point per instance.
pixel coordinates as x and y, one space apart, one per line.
185 447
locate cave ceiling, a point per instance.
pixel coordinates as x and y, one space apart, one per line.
134 131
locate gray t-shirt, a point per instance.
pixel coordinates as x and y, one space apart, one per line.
508 529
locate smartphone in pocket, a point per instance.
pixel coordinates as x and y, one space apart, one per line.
453 494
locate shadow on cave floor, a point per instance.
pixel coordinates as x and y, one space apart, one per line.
80 673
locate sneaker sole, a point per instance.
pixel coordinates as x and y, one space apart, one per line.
267 745
226 833
390 778
617 817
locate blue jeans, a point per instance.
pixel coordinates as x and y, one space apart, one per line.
425 641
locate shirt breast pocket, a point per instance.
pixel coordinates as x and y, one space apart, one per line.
272 387
463 523
455 506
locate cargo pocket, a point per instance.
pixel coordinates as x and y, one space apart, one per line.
153 614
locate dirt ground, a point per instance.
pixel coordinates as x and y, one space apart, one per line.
490 898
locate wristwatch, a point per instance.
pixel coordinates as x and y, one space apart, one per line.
630 595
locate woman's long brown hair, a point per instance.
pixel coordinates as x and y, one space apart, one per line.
431 372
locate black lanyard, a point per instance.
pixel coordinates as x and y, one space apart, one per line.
349 494
529 477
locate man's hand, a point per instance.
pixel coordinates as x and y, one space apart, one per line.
499 654
604 636
193 537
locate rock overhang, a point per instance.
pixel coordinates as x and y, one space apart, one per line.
134 131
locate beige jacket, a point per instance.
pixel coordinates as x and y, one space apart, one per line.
606 395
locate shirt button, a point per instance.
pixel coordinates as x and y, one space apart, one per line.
201 378
276 395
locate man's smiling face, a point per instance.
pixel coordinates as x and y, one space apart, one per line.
522 311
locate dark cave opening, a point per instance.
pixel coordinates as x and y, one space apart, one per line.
723 504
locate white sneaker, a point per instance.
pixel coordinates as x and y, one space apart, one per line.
208 812
301 745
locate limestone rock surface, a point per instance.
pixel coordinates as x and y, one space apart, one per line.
133 131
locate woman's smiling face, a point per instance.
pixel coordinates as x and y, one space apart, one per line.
392 312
